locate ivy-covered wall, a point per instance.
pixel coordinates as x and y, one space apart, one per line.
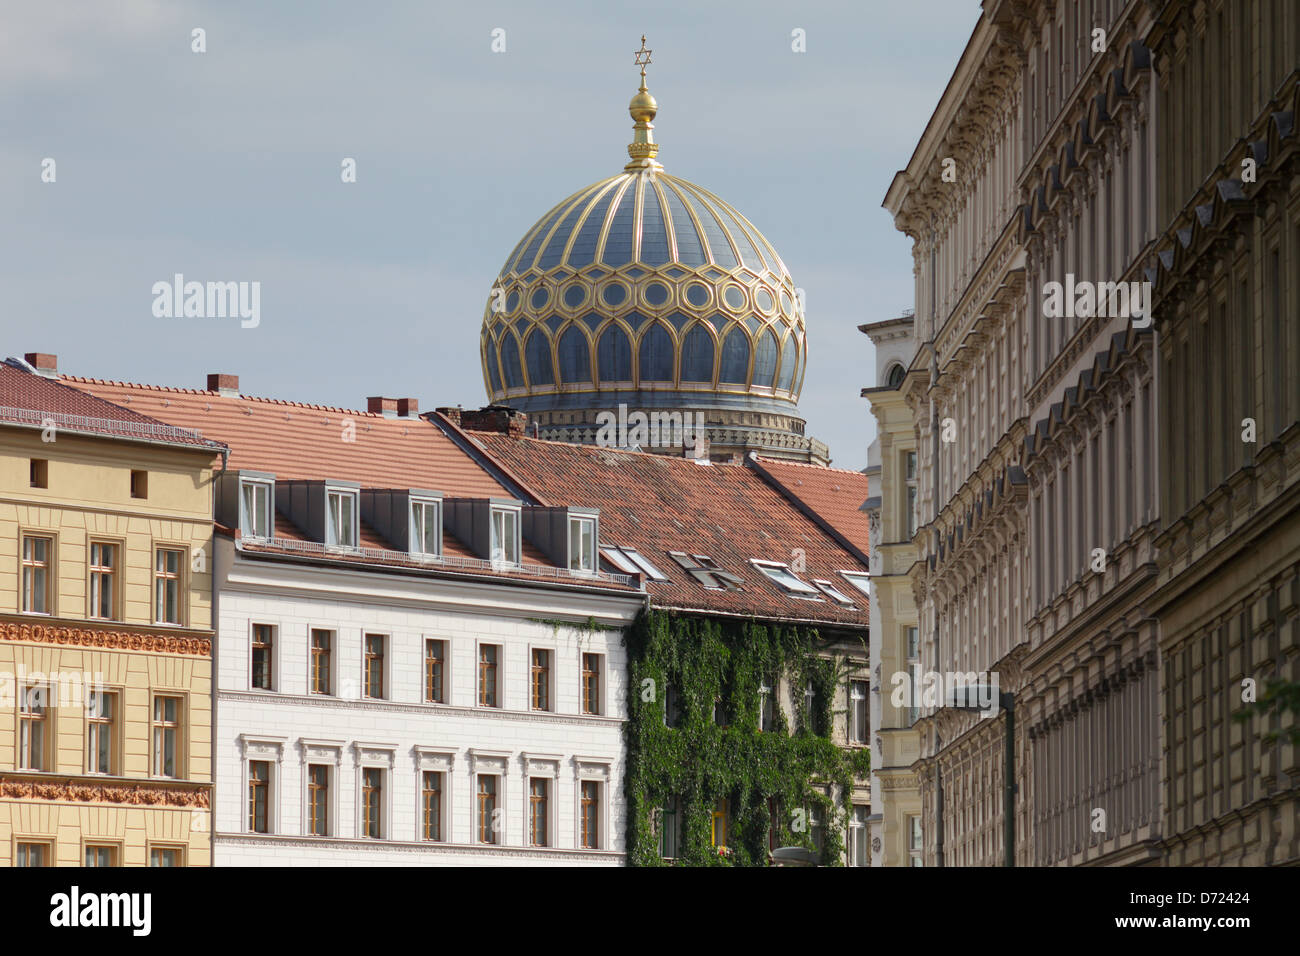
699 761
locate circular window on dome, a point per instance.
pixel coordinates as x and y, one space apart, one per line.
656 293
763 299
697 293
787 304
614 293
575 294
734 297
541 295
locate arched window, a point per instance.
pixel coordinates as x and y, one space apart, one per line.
510 361
614 356
656 355
894 377
789 360
697 355
765 359
538 353
575 356
494 370
735 357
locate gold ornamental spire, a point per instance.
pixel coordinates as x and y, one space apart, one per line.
643 149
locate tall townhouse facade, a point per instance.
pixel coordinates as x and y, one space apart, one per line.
412 667
1227 317
105 630
896 824
1034 417
747 696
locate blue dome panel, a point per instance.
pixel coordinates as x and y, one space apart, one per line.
654 234
618 243
690 251
765 360
656 354
510 362
583 252
697 356
614 356
575 357
788 364
538 352
735 358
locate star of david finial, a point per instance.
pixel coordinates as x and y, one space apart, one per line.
643 57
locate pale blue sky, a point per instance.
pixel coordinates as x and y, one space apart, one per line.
225 166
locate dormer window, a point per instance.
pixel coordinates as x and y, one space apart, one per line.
255 508
426 527
341 518
505 535
582 544
785 579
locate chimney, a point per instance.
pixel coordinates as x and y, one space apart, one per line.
408 408
43 362
227 385
495 418
385 406
451 414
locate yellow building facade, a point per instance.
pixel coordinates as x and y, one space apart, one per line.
105 632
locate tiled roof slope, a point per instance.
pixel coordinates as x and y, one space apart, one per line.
298 441
29 399
657 504
833 496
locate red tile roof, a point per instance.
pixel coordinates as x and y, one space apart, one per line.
832 495
29 399
657 504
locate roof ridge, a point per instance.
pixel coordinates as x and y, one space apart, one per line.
810 465
176 390
592 449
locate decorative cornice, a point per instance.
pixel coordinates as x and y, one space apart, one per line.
338 844
80 790
111 640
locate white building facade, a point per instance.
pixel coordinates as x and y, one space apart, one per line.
367 716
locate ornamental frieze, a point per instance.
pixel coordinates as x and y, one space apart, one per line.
140 794
111 640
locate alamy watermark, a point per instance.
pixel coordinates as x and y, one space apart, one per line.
652 430
208 300
977 690
1084 299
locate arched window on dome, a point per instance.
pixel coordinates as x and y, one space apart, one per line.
656 355
510 361
537 350
494 370
575 357
894 377
614 356
765 359
789 361
697 355
735 358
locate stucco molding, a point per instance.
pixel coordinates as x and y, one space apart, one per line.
112 640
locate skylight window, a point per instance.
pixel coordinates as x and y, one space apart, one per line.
785 579
834 593
705 570
631 561
859 580
615 557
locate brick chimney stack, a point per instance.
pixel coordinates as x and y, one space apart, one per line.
227 385
384 406
408 408
451 414
495 418
43 362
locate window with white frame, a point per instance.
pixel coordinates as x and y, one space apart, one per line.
582 544
255 499
435 671
590 794
259 796
169 564
101 732
909 494
263 657
318 799
912 639
914 844
859 729
487 820
859 579
432 784
786 580
505 535
426 527
373 787
593 684
33 718
832 592
632 561
374 647
766 704
341 518
857 848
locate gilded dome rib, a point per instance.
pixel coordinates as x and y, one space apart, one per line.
700 197
670 230
610 214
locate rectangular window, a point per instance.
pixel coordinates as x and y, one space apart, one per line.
36 573
669 829
505 535
859 729
103 580
259 796
431 803
318 799
255 509
426 527
914 840
589 813
591 689
33 854
164 856
341 519
321 642
816 828
718 825
166 733
372 795
582 544
541 679
435 669
487 805
538 791
139 484
912 637
858 836
766 705
101 712
909 502
31 731
167 586
488 658
263 646
374 665
810 707
38 476
99 855
672 706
